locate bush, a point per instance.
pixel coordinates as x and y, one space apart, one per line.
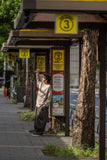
14 101
27 116
70 151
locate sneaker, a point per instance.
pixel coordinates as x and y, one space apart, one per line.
34 134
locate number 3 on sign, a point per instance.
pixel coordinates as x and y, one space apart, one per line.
66 23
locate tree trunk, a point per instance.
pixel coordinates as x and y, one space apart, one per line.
83 130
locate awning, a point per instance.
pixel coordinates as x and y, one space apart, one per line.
31 7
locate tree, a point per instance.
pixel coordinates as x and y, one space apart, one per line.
83 130
8 12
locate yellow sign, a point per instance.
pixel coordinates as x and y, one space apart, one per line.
11 56
66 23
41 63
24 53
58 60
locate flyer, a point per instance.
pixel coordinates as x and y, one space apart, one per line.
58 82
58 105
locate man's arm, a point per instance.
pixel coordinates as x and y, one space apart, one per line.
37 77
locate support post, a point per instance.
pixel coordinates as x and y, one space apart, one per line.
67 89
32 95
26 72
102 93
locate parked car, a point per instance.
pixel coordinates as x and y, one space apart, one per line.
2 81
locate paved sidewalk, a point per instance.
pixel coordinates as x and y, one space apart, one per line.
15 141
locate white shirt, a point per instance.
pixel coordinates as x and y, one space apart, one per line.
44 93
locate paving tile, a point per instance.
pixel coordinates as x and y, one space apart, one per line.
16 143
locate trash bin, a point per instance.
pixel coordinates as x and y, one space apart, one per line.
20 91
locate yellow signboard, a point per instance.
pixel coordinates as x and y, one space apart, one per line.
66 23
58 60
24 53
41 63
11 56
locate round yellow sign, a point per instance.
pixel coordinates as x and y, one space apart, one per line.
66 23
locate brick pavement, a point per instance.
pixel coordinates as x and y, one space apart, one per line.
15 141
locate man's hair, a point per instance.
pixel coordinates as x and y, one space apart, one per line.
48 78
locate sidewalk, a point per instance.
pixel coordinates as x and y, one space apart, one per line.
16 143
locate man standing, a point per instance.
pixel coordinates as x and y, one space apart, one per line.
42 103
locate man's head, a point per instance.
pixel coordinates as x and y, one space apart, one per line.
46 78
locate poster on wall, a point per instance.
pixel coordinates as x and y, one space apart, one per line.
58 60
58 105
58 82
41 63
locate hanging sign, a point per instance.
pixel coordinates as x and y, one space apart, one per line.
58 105
58 60
66 23
58 82
41 63
24 53
11 56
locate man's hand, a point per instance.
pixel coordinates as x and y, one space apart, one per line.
37 71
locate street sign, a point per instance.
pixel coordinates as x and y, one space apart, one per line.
11 56
66 23
24 53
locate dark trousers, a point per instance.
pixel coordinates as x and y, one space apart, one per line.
41 118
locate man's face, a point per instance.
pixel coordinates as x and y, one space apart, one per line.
44 80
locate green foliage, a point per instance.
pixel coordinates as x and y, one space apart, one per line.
27 116
9 10
17 83
70 151
13 101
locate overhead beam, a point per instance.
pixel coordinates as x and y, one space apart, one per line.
44 36
87 6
